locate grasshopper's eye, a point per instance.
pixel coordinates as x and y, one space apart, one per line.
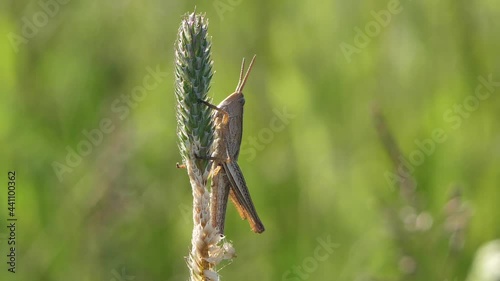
242 101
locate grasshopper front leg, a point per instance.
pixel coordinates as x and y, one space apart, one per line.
225 115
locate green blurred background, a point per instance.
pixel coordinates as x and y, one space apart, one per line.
122 212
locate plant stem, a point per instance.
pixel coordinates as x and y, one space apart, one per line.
195 131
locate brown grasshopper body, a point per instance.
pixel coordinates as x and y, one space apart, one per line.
227 177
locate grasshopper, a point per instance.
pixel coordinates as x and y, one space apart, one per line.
227 177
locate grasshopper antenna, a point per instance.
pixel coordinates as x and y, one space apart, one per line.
243 80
